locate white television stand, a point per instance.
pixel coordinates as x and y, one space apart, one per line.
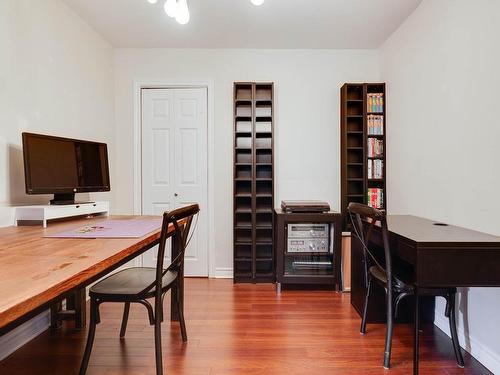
29 215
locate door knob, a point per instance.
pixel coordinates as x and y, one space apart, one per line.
176 195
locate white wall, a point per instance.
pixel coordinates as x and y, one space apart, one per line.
307 117
441 67
443 79
56 77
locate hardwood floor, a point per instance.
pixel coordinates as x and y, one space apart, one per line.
242 329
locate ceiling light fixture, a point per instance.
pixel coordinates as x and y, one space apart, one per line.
179 10
170 8
182 14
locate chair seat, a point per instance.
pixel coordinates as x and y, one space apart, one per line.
403 283
399 285
130 282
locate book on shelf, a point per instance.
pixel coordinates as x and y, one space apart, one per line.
375 147
375 197
375 102
375 168
375 125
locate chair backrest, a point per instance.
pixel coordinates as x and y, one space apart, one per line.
181 219
364 219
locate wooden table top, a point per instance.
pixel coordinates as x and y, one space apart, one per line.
34 269
422 230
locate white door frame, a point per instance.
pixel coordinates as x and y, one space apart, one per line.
174 84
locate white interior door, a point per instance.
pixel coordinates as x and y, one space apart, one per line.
174 164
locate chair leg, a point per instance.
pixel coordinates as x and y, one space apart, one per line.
453 330
448 306
388 335
365 307
397 301
126 311
180 309
90 338
158 355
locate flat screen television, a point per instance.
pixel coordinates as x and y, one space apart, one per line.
63 166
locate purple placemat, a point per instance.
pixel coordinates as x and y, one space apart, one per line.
134 228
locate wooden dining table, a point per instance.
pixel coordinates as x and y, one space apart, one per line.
37 272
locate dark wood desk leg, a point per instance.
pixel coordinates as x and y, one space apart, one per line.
80 308
55 322
174 314
417 333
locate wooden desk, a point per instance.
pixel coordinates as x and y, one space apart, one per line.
36 272
441 256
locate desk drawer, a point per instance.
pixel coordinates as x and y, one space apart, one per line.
459 266
405 251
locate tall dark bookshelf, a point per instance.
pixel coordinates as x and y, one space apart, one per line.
356 134
253 182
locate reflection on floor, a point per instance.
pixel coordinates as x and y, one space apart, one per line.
242 329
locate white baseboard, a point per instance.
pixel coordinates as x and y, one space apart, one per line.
482 353
223 273
21 335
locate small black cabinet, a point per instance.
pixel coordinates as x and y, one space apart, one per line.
320 268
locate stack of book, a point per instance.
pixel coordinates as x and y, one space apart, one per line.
375 103
375 147
375 168
375 125
375 197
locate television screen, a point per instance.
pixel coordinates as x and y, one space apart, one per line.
60 165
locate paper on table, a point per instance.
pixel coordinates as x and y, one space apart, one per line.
127 228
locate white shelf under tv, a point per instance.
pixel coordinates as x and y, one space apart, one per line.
42 214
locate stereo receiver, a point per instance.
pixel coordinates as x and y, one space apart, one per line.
308 238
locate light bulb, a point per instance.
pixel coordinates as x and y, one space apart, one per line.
171 7
182 15
152 1
257 2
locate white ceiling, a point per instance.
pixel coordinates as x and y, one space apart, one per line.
239 24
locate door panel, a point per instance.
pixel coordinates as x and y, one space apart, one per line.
188 162
160 157
174 164
190 113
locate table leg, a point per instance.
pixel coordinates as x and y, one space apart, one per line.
80 309
76 302
416 337
75 310
55 322
181 295
174 314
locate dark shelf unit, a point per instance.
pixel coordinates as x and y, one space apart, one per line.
253 198
354 115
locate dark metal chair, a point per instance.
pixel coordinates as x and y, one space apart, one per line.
138 284
397 286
